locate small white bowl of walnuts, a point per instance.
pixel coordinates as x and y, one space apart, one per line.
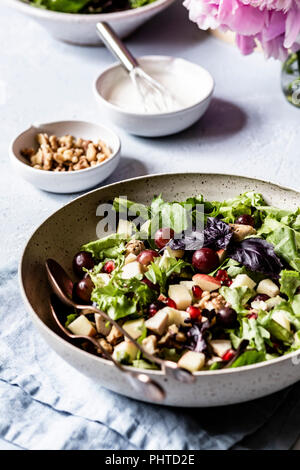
65 156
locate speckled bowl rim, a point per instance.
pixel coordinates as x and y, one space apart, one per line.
146 116
85 18
63 341
67 174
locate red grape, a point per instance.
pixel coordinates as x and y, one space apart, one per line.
163 236
226 317
205 260
83 289
147 256
245 219
83 259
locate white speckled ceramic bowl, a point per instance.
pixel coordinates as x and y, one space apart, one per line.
68 181
62 234
81 29
159 124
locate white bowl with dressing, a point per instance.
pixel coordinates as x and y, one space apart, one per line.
190 84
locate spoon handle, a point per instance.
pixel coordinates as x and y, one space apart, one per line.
116 46
151 358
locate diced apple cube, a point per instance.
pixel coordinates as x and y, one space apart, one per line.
102 279
181 296
206 282
297 339
125 227
102 326
259 305
158 323
273 301
222 255
188 284
82 327
220 346
150 344
242 280
134 327
268 287
130 258
125 350
212 360
192 361
280 316
176 316
174 253
132 270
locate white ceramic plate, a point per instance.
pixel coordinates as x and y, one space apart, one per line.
61 236
81 29
65 182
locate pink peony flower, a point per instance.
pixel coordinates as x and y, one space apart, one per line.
275 24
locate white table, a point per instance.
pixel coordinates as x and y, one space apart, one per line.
249 129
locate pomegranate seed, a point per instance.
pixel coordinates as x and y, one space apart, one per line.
152 310
197 292
221 275
194 312
109 267
162 298
228 355
252 315
171 303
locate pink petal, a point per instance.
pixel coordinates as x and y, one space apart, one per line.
292 27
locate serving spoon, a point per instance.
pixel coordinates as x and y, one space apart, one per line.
141 382
62 286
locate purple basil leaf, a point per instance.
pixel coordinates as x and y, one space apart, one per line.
191 241
258 255
217 234
196 336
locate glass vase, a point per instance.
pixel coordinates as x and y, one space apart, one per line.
290 79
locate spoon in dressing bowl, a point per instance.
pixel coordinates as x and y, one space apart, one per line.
155 97
62 286
141 382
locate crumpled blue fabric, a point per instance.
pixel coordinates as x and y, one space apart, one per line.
46 404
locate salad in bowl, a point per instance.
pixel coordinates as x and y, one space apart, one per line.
210 285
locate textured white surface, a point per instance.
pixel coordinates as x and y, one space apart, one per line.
249 129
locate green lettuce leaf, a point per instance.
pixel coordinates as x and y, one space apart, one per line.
243 204
289 282
121 298
285 239
254 333
107 247
237 297
65 6
161 269
249 357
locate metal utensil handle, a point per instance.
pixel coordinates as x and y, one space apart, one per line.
116 46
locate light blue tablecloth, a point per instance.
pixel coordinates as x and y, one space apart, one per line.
249 129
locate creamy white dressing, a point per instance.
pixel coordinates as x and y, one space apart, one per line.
187 83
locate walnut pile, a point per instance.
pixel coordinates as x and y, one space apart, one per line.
211 301
66 153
